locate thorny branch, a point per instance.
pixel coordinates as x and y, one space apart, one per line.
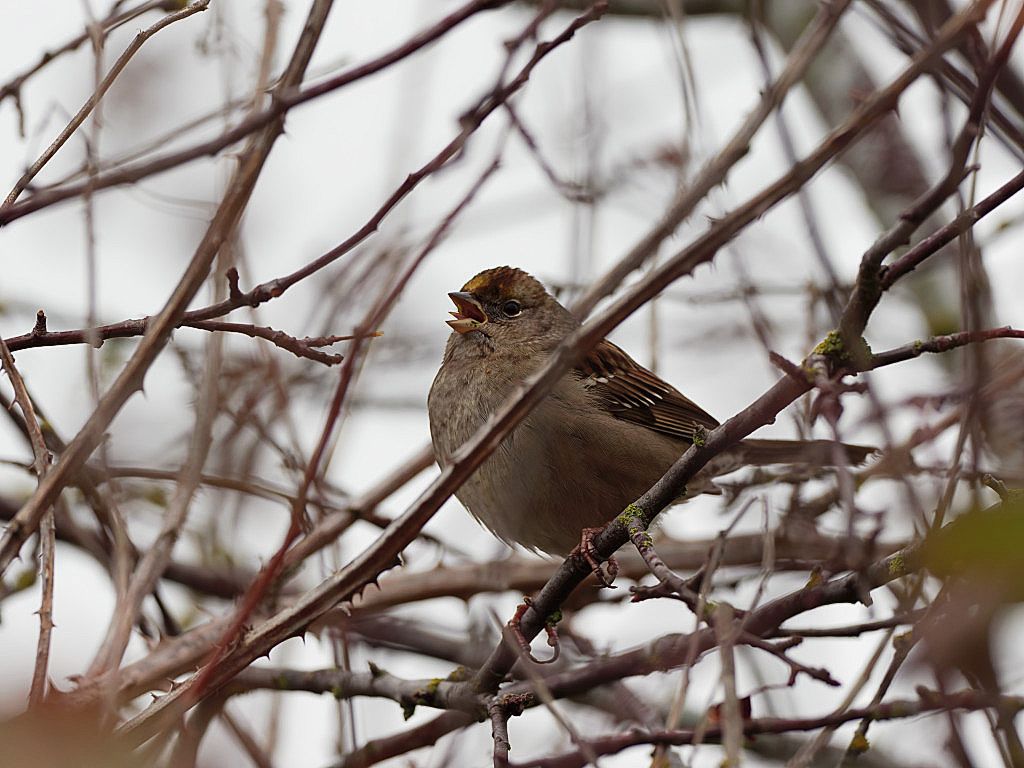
47 539
308 347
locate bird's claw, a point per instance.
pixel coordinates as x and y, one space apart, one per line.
585 550
516 629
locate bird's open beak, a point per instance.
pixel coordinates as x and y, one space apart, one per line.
469 315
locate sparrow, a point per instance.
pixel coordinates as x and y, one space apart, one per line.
604 435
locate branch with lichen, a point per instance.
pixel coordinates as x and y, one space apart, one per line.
635 521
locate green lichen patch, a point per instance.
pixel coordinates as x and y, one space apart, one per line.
631 513
897 566
831 345
834 349
458 675
700 436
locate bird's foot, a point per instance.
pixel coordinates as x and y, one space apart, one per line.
515 627
585 550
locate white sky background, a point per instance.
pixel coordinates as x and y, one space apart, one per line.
340 158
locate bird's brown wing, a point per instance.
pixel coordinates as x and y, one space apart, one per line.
633 393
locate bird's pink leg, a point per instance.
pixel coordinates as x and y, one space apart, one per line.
585 549
515 627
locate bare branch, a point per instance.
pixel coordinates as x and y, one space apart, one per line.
47 534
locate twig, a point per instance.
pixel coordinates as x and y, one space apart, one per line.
259 757
795 667
954 81
666 576
40 453
939 344
186 749
903 645
572 191
870 282
327 529
731 717
715 170
47 531
525 574
805 754
469 123
832 292
377 750
274 288
915 256
499 732
230 584
539 693
306 347
851 630
672 650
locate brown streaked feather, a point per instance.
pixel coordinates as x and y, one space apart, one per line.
631 392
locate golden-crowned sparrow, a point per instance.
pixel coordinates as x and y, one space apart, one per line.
605 434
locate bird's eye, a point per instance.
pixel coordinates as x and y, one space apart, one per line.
512 308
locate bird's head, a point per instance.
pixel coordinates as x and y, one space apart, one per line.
506 306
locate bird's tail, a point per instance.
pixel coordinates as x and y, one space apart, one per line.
820 453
